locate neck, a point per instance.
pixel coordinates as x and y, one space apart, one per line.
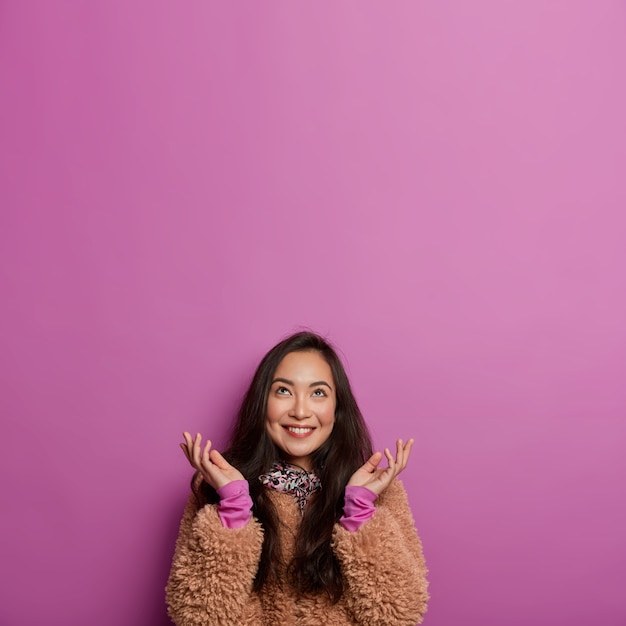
306 467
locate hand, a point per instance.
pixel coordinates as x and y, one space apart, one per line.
377 480
213 467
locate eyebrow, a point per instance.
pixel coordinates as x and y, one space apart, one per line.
317 383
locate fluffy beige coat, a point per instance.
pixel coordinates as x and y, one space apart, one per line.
382 563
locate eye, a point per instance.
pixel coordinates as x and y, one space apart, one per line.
319 393
282 391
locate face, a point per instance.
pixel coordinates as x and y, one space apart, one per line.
301 406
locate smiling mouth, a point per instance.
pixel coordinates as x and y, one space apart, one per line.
298 431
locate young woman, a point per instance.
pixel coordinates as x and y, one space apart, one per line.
297 523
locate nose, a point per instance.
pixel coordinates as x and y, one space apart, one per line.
300 409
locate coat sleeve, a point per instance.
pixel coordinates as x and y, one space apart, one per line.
213 569
383 565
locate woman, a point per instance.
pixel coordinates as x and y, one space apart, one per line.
296 523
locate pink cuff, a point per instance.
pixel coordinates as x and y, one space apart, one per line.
358 507
235 504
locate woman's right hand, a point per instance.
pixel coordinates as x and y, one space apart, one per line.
213 467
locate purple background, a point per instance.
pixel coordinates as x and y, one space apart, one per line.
438 186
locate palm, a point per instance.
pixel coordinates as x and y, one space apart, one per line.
227 473
378 479
213 467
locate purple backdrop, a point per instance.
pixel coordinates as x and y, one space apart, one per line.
438 186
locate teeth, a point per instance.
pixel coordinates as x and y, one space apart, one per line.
299 431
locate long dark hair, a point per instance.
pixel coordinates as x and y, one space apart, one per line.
314 568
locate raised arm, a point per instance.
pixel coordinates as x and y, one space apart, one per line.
214 566
382 561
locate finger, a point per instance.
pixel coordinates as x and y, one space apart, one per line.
399 453
407 451
390 460
205 454
372 463
197 461
219 460
188 444
386 475
394 465
185 450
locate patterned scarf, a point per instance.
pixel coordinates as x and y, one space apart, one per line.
292 479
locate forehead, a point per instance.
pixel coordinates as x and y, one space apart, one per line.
309 365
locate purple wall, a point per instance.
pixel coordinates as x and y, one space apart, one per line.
438 186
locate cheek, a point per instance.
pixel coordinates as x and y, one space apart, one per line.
329 417
272 414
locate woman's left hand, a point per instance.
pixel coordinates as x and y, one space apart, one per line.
378 479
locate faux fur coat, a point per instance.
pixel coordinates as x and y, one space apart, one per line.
382 563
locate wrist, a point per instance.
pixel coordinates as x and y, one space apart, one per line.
358 507
235 505
232 489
